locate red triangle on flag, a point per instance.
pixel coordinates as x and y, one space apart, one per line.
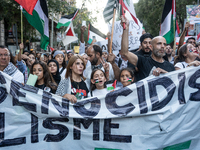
69 32
28 5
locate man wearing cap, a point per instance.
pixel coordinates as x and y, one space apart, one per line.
60 57
7 67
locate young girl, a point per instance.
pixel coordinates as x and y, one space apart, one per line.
45 80
98 83
74 87
126 76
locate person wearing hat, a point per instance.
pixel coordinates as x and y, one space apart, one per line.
60 57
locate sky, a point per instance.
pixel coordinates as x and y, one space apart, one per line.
98 5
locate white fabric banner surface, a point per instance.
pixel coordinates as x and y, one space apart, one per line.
154 113
135 31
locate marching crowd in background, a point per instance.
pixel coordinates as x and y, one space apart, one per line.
94 71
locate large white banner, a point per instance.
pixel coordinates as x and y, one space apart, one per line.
154 113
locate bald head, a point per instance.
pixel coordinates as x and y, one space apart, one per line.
157 38
158 46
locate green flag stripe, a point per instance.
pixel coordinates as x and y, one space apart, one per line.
169 36
181 146
110 88
61 24
35 21
44 42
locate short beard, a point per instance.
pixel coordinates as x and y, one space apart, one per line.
94 61
157 54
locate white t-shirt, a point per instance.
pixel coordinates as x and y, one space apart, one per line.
89 71
100 92
181 65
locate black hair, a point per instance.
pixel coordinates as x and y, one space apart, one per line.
180 57
190 39
93 86
97 49
130 71
144 36
48 79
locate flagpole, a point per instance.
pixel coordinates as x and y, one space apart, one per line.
21 27
113 24
174 3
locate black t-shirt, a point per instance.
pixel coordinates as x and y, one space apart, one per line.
45 88
142 53
79 89
145 65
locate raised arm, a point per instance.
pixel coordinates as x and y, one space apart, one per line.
132 58
182 37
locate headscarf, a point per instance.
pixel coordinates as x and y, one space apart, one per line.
56 77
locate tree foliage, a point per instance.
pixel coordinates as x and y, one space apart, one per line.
10 12
149 13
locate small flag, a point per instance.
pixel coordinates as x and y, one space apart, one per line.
67 19
51 48
95 33
128 5
114 84
69 35
129 79
96 81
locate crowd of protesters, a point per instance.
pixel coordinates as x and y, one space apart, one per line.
78 76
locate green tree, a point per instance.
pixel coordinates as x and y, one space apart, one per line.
149 13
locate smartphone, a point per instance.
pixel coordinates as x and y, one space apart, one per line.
84 23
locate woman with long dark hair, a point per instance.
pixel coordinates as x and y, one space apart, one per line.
186 57
74 87
54 69
45 80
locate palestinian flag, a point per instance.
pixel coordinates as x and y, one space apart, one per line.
94 33
167 29
66 20
37 17
69 35
128 6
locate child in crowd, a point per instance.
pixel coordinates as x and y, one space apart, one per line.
45 80
126 76
98 83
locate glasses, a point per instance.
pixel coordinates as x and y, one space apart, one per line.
5 55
